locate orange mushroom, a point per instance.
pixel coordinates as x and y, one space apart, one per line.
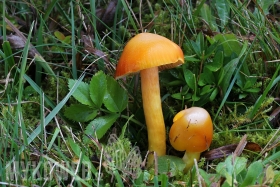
192 132
149 53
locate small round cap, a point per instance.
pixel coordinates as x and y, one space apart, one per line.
147 50
192 130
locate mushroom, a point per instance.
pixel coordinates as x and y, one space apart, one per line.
192 132
149 53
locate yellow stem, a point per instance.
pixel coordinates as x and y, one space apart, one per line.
188 158
153 112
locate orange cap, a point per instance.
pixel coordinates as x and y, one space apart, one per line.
192 130
147 50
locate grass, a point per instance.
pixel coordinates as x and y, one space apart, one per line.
53 134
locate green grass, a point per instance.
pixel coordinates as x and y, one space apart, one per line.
231 69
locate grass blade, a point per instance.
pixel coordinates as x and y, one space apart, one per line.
272 82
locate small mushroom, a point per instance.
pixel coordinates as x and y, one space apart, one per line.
149 53
192 132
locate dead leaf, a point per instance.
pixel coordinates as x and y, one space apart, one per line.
226 150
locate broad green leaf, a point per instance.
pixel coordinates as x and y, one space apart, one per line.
189 78
116 98
229 69
217 62
210 50
75 147
269 175
228 168
207 176
180 96
266 5
81 94
206 89
242 95
240 80
206 14
196 48
80 113
214 94
67 39
99 126
59 35
250 82
254 171
170 164
229 42
223 9
206 77
195 98
98 88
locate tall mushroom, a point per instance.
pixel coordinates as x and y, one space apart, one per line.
149 53
192 132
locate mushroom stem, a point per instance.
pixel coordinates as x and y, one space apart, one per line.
188 158
153 112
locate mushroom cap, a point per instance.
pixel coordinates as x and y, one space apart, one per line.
192 130
147 50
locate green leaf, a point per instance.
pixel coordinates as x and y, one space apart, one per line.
116 98
229 168
266 5
67 39
223 10
195 98
200 42
99 126
75 147
98 88
217 62
85 160
189 78
242 95
274 80
196 48
178 96
206 176
229 42
254 171
170 164
9 57
206 77
81 94
80 113
269 175
206 14
221 76
229 69
206 89
214 94
253 90
59 35
191 59
210 50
